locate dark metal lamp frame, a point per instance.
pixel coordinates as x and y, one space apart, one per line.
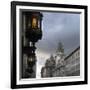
13 44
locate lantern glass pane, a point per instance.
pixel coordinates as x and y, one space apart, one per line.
34 23
38 24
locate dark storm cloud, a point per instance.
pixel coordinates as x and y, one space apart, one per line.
59 27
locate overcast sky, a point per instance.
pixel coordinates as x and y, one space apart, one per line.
57 27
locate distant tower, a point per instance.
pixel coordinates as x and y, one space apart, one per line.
32 32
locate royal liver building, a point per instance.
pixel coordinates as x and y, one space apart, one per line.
61 65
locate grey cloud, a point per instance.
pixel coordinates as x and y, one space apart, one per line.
64 27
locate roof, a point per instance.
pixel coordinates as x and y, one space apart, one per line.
72 52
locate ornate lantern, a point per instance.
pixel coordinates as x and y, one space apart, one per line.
33 26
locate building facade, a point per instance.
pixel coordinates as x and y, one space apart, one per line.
64 66
47 70
72 63
60 65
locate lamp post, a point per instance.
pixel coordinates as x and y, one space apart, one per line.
33 33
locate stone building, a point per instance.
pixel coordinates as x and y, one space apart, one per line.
47 70
63 66
59 70
60 65
72 63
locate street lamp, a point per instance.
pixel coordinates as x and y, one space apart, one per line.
33 26
33 33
